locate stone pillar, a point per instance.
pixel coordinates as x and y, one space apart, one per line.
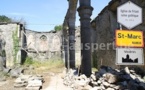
72 43
85 11
65 41
71 24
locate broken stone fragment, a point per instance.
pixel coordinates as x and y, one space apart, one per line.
127 70
96 88
82 82
93 77
132 76
132 71
32 88
25 77
83 77
19 81
34 83
102 87
87 87
118 87
94 83
139 79
110 89
18 85
106 84
110 78
36 78
99 82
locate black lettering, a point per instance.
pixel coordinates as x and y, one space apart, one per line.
130 51
129 35
119 35
136 42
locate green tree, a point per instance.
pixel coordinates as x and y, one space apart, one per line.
4 18
58 27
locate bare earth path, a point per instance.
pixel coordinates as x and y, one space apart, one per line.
56 83
52 82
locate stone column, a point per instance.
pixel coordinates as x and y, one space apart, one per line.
72 43
85 11
65 42
71 24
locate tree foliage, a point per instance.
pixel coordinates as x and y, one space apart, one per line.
4 18
58 27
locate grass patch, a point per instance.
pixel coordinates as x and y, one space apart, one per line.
52 65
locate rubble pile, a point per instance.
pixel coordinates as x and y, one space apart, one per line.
107 79
29 82
26 79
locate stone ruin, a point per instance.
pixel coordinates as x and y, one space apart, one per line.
34 44
107 78
43 45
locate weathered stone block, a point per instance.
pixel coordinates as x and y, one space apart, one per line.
110 78
32 88
34 83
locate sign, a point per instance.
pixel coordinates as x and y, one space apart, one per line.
127 38
129 15
129 56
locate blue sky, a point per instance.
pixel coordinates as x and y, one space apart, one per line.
43 15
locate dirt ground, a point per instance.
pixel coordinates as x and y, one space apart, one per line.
52 81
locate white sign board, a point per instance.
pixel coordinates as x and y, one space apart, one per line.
129 15
129 56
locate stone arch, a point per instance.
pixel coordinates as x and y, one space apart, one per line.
43 37
56 43
43 43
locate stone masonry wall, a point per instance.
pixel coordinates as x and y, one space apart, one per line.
43 45
7 32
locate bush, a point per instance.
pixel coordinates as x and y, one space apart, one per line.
4 18
58 28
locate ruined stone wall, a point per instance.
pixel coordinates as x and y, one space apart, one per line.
105 25
77 46
7 34
43 45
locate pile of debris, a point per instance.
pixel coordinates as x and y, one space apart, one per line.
25 78
107 79
29 82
